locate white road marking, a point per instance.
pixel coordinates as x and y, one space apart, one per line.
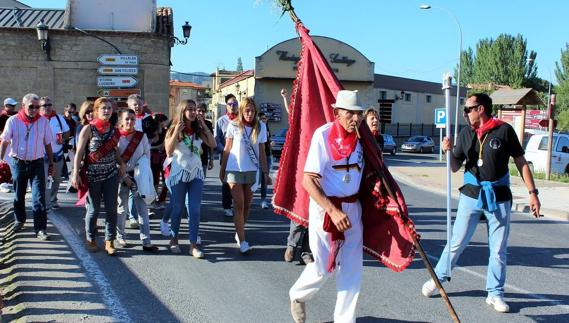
91 268
508 286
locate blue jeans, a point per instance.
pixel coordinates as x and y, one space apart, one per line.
263 182
132 211
142 211
33 172
191 194
108 190
467 217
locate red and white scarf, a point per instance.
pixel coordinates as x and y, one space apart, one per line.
342 143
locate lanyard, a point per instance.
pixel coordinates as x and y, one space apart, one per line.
480 161
28 129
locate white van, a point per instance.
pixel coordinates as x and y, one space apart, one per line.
536 153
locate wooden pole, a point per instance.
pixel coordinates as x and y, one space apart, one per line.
419 247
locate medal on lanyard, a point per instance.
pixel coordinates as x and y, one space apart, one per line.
347 178
480 162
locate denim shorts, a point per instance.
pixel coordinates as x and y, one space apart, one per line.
235 177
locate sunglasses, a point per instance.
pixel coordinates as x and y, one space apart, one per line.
33 107
88 111
47 105
233 104
469 109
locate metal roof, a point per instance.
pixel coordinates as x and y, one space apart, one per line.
525 96
29 18
389 82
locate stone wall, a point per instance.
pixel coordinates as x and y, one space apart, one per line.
71 74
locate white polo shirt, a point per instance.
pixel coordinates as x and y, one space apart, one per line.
319 161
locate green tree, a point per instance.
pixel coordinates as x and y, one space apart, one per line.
562 76
239 65
467 67
504 60
563 120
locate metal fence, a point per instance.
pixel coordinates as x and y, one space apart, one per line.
402 131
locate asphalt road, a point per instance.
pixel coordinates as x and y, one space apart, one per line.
229 287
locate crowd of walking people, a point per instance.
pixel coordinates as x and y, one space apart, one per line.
130 161
124 156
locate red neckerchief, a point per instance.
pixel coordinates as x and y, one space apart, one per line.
231 115
342 144
247 124
125 133
49 116
141 116
188 131
487 126
25 119
375 133
100 124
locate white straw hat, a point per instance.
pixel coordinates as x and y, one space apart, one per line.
348 100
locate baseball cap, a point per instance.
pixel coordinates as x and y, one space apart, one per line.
10 101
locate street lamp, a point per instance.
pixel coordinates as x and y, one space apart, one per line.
427 7
43 37
186 30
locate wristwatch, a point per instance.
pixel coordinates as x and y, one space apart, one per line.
534 191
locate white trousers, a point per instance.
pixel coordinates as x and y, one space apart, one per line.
349 263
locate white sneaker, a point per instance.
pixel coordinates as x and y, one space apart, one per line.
498 303
244 247
164 229
228 213
429 288
264 205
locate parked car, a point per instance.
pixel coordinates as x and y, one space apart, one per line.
389 145
536 153
278 141
421 144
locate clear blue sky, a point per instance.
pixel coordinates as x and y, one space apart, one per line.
400 38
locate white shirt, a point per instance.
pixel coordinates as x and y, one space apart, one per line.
55 128
138 122
319 161
24 145
239 159
143 148
186 163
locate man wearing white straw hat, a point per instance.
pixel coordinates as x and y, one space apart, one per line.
332 176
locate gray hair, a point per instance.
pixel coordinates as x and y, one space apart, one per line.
135 97
29 98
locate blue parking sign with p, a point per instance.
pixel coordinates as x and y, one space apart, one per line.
440 117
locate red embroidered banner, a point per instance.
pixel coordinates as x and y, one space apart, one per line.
387 228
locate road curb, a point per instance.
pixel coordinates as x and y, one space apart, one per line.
517 206
5 220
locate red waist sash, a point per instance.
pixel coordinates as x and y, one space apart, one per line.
336 236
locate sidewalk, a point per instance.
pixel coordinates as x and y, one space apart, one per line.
432 177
